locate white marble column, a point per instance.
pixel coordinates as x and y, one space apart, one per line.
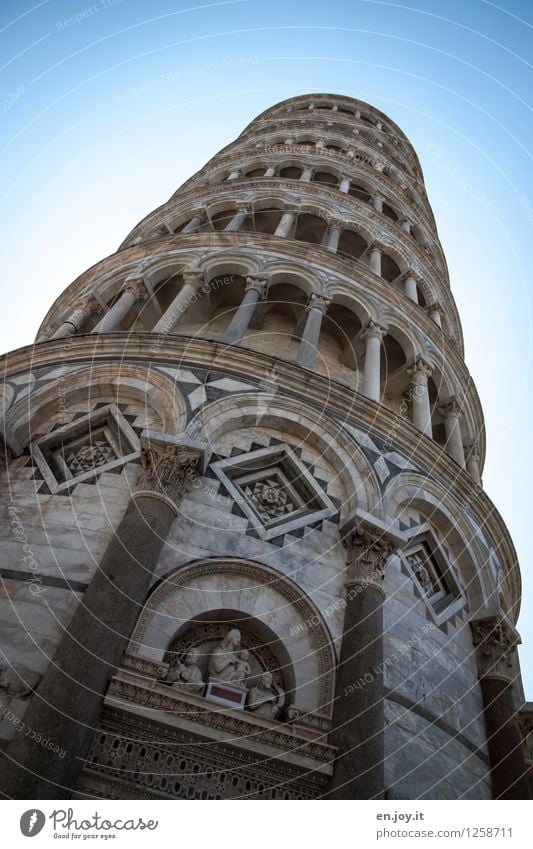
133 290
187 295
420 371
409 284
377 202
236 174
373 336
238 219
344 185
316 309
405 224
286 221
434 312
473 460
194 223
333 235
451 412
271 171
375 258
255 291
83 310
306 175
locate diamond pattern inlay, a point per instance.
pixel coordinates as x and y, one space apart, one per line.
275 490
270 499
89 456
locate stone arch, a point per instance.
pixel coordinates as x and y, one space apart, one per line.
458 532
256 592
353 471
112 382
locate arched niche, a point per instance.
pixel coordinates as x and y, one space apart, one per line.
256 595
438 507
118 383
293 421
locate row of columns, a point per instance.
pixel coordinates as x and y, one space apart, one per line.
358 716
67 705
345 182
134 291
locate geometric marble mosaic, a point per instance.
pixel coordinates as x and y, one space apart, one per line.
100 441
274 489
434 578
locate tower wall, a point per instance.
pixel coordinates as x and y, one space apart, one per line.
275 354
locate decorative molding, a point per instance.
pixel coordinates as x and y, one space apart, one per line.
169 464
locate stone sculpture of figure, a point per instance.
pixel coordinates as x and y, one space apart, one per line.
187 676
425 579
224 662
264 699
243 668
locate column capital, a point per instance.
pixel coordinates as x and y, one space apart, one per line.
318 302
193 278
90 305
375 330
472 450
495 640
170 463
376 246
434 307
451 407
411 273
420 369
257 284
369 542
136 286
244 207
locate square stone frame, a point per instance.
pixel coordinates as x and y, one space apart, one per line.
282 450
420 534
78 428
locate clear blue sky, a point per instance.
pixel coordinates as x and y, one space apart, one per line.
102 116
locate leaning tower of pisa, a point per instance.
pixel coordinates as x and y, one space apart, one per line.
246 550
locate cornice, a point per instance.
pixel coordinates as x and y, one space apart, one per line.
313 389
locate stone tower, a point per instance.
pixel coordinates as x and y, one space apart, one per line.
246 551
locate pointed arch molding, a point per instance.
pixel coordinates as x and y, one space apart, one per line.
257 591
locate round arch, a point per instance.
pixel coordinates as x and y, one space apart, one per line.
112 382
353 470
258 593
